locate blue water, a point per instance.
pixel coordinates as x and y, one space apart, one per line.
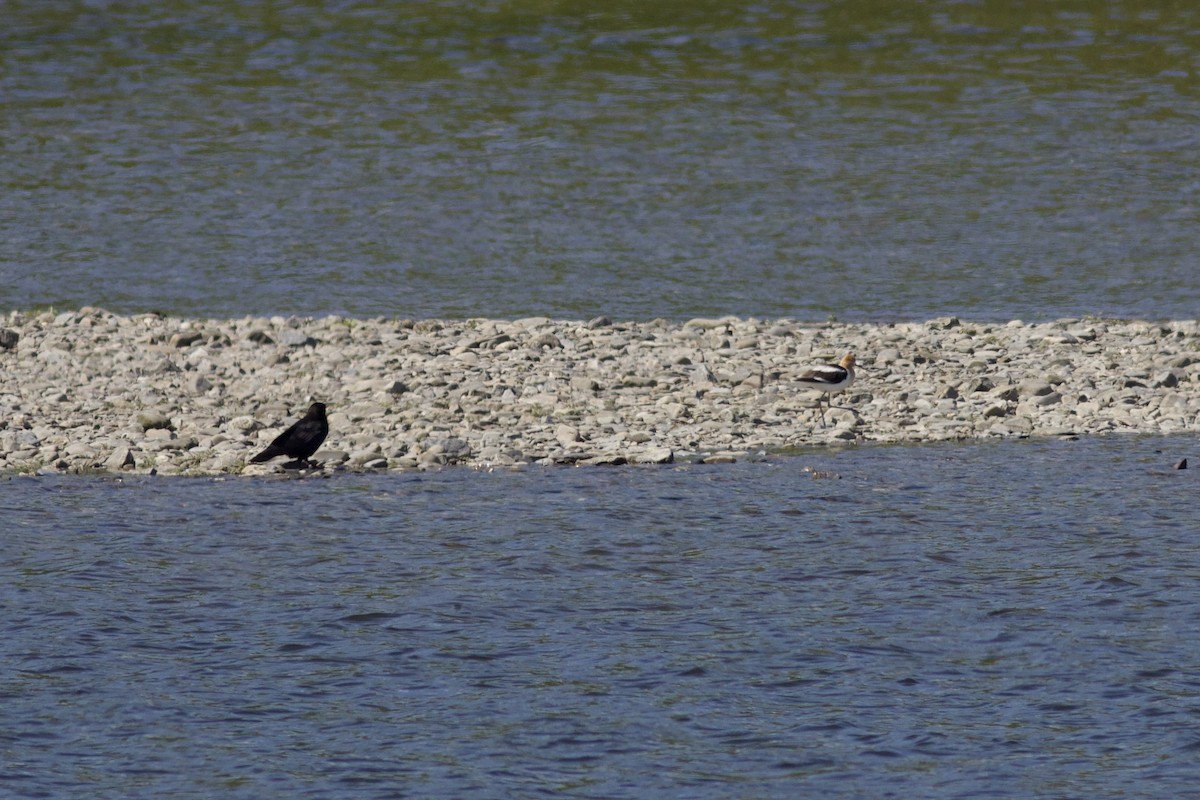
439 158
1006 619
1010 619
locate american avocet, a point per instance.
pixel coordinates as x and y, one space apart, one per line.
829 378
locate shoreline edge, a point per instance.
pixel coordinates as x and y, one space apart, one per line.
90 391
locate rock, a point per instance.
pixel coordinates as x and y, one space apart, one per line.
431 458
1035 388
752 382
121 458
80 451
945 323
1047 399
162 366
546 340
358 458
888 355
185 338
1010 393
245 424
9 339
187 396
709 324
611 460
291 337
455 448
653 455
153 420
1168 380
325 456
566 434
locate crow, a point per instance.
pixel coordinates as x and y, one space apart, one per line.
301 440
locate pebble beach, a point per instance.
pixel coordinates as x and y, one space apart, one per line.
90 391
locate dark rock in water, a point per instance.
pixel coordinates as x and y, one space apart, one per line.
1182 464
821 474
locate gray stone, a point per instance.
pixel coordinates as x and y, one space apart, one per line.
327 456
359 458
1185 360
291 337
546 340
653 455
566 434
245 424
153 420
185 338
431 458
1010 393
430 393
121 458
1035 388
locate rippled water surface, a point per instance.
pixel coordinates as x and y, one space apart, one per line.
993 620
862 159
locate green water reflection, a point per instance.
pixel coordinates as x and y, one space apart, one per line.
861 159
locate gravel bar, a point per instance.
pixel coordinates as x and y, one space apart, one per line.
90 391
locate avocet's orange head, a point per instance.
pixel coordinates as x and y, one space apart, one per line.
847 361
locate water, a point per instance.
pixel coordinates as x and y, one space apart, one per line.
858 159
955 621
1007 619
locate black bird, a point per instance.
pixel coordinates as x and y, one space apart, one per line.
301 440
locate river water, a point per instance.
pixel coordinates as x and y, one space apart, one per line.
1007 619
861 159
1001 619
